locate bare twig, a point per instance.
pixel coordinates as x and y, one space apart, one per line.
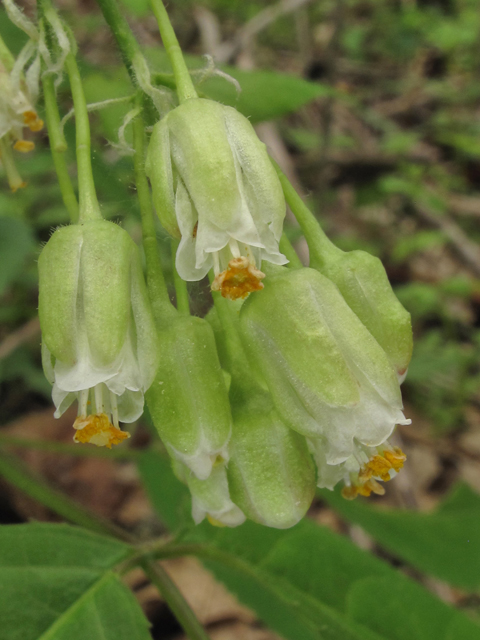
228 50
440 445
466 249
26 332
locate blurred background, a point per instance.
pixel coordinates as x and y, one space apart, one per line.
372 108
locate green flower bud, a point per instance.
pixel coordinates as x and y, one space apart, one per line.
270 473
188 399
327 375
214 186
364 284
210 497
98 332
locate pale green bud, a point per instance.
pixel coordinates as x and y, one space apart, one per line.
214 186
210 497
362 281
270 473
327 375
188 399
98 331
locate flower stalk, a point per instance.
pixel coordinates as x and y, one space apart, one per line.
319 246
183 81
89 209
157 288
58 147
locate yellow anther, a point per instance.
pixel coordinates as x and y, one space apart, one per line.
350 492
371 486
98 430
14 186
378 467
395 457
239 279
32 121
214 522
24 146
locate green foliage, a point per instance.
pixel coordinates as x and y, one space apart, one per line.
57 584
16 244
442 376
443 543
311 583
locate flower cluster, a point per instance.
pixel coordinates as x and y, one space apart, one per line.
295 385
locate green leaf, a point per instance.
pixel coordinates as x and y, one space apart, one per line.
305 582
265 95
16 243
444 543
106 611
402 610
169 497
56 579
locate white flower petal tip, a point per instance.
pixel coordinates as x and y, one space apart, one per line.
98 430
234 517
203 462
362 472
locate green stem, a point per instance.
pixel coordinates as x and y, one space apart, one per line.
15 472
157 289
174 599
58 146
89 207
243 380
320 247
14 178
69 449
289 252
181 291
128 47
122 33
6 57
185 88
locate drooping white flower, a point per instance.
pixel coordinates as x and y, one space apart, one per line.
215 188
210 497
328 376
361 472
98 334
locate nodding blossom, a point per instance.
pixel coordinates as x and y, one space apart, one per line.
99 341
214 187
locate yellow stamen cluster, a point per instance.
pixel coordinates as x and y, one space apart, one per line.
24 146
240 278
32 121
215 522
97 429
379 467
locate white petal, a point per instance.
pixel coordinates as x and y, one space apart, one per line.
130 406
62 400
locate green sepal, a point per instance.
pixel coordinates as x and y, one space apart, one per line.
85 279
271 474
188 399
364 284
59 266
107 252
203 158
314 353
158 167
